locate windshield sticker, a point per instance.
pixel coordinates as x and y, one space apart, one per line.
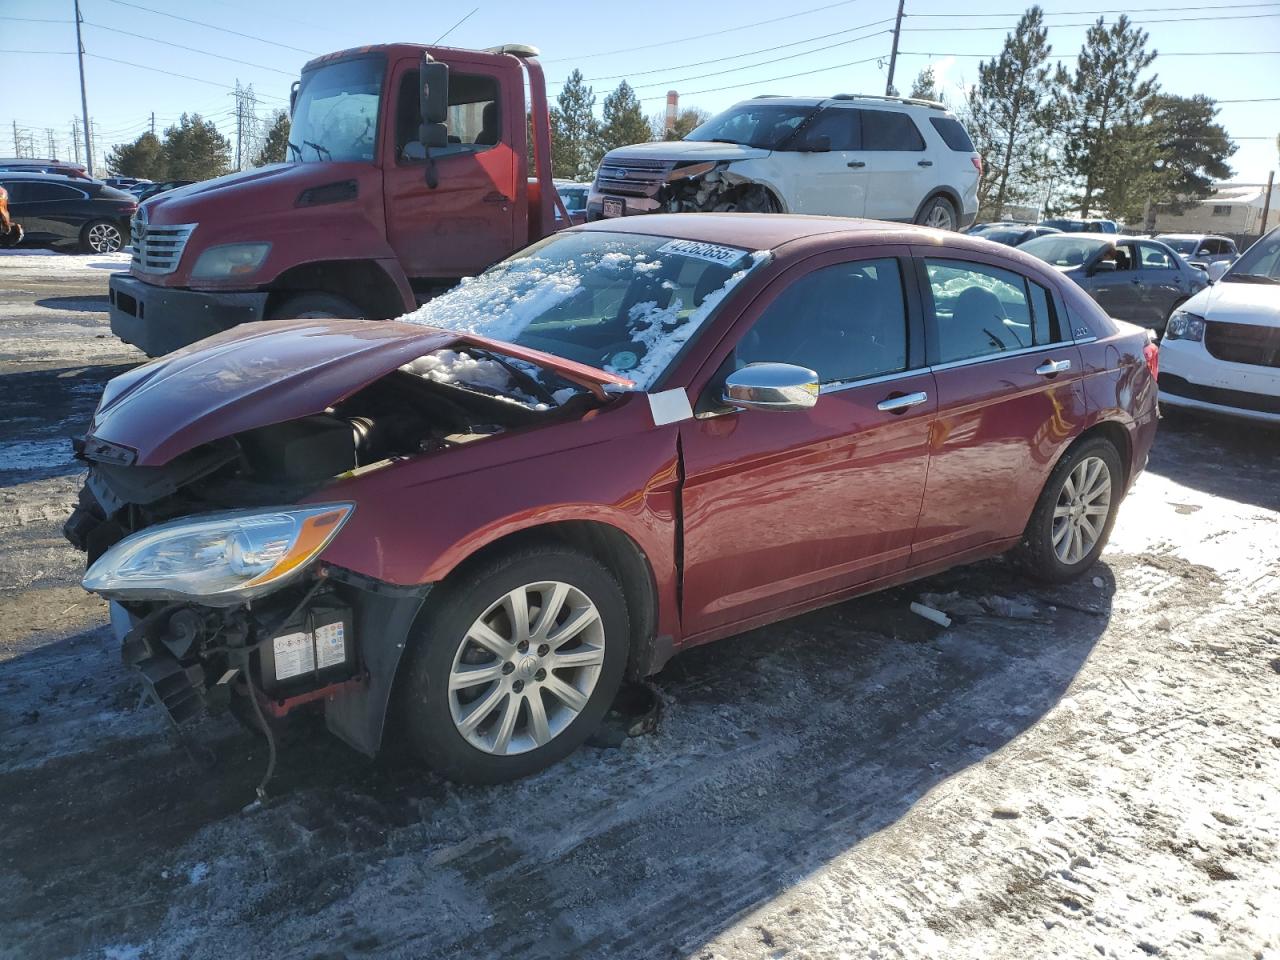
711 252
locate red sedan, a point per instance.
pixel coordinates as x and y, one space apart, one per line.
631 438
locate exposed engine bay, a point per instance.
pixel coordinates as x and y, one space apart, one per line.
714 190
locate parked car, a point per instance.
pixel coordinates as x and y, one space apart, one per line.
1201 249
62 168
1142 281
886 158
124 183
1221 351
55 209
998 224
10 230
1070 225
1012 236
574 197
628 439
145 191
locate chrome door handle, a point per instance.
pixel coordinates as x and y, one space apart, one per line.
1051 368
902 403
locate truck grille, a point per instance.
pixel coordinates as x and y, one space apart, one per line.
157 248
635 178
1243 343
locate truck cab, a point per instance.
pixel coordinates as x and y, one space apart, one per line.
408 168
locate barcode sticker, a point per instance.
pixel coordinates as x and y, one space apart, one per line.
714 252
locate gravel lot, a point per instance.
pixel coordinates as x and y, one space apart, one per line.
1097 776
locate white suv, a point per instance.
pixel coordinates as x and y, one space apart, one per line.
1221 348
886 158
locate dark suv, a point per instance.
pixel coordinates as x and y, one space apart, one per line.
55 209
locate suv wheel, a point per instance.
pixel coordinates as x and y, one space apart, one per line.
515 665
101 236
940 214
322 306
1074 515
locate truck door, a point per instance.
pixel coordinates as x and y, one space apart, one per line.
467 222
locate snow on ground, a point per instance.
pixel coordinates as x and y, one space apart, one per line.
1083 771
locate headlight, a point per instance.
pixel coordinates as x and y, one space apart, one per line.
691 170
1185 326
220 559
230 260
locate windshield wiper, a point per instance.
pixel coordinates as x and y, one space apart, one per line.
1250 278
297 150
320 149
736 143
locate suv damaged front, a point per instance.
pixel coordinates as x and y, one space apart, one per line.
223 476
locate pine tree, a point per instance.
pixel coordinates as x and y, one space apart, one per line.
195 150
1101 109
574 130
1009 115
143 158
624 121
275 147
1192 148
925 86
687 120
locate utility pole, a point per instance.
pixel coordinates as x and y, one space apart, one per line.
53 149
75 137
239 122
84 98
153 123
892 56
16 151
1266 201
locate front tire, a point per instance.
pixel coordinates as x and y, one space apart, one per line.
1075 513
101 236
515 665
322 306
940 214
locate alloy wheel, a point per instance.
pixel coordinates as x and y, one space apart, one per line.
526 668
940 217
104 238
1080 515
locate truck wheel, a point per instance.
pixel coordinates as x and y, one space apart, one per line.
940 214
1074 515
101 236
515 665
320 306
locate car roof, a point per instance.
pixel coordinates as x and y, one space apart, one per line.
749 230
48 178
849 99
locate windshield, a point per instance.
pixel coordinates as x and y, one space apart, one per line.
1260 263
1184 245
755 123
336 113
625 303
1063 251
575 198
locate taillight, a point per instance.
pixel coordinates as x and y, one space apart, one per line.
976 160
1151 353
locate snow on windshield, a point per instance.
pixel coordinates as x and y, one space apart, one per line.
625 304
458 368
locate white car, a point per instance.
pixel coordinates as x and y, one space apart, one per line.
1202 249
1221 348
886 158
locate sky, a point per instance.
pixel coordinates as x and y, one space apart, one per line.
816 47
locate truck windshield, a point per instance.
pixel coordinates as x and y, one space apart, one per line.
336 113
625 303
755 124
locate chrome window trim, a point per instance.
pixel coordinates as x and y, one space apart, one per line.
1003 355
836 386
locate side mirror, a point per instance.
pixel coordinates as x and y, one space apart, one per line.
1102 266
779 387
1216 270
433 93
1204 252
293 96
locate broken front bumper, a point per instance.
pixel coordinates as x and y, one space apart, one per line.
159 320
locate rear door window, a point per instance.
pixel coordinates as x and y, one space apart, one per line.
42 192
981 311
953 134
889 130
1155 258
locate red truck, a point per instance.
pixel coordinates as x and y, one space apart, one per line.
408 169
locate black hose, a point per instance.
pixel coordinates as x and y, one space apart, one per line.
261 790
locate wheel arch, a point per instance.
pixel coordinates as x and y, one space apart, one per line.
947 193
366 283
617 551
1113 431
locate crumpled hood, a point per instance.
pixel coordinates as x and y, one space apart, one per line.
275 186
263 373
1227 302
681 150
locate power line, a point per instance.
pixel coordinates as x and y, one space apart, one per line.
57 53
1125 10
170 73
1055 26
454 27
34 20
789 76
206 53
1162 53
699 36
209 26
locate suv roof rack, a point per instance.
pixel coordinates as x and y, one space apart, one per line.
915 101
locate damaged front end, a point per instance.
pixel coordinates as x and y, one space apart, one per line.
205 523
691 186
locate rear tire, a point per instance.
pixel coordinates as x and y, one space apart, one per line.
101 236
320 306
1075 513
939 213
468 705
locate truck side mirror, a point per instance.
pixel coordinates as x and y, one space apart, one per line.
293 97
433 94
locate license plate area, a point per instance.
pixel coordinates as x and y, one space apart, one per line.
613 207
